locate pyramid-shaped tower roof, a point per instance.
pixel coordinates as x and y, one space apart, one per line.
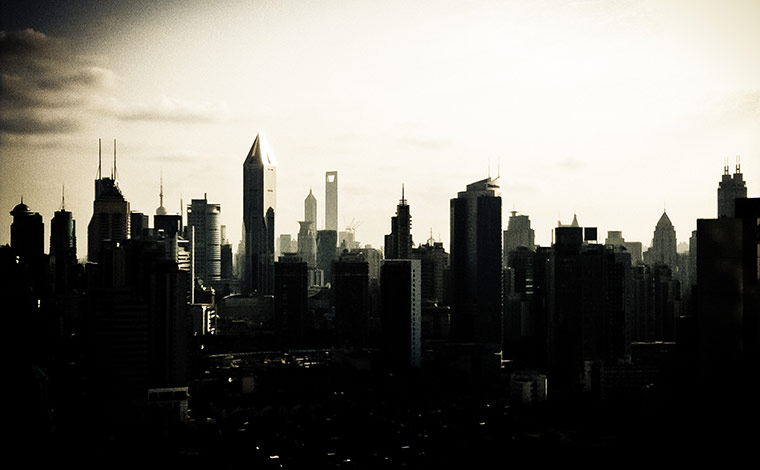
261 153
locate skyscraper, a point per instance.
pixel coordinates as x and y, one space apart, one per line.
729 189
307 243
331 200
518 233
663 249
63 248
475 262
203 220
398 244
400 284
310 209
259 206
110 211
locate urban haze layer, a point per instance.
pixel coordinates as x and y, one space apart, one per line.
310 350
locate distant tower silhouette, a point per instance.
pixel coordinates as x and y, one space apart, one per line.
310 209
518 233
331 200
259 206
161 210
663 249
729 189
110 211
398 244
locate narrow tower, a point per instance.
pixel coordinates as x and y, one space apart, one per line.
331 200
259 207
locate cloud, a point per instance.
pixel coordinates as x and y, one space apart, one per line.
172 110
426 142
44 87
570 163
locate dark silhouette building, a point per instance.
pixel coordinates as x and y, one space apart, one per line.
402 313
327 242
475 262
727 295
259 207
587 316
434 260
352 300
27 233
110 212
291 302
398 244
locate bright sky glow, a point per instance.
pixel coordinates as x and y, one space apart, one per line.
612 110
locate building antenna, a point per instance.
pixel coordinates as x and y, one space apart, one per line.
738 164
113 176
161 191
100 159
63 197
403 200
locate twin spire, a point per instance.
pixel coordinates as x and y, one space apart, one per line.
100 161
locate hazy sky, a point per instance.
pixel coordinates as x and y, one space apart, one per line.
612 110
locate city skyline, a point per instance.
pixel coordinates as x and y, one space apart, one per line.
612 112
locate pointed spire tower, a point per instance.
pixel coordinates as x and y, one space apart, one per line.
161 210
259 208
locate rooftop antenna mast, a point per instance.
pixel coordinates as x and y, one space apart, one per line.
100 159
738 164
113 176
403 200
161 192
63 197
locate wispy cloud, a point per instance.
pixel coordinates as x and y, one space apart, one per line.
171 110
570 163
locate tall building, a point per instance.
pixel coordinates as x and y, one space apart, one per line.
400 284
310 209
226 260
259 206
588 319
27 233
729 189
475 262
727 297
63 248
518 233
398 244
352 300
203 221
307 243
331 200
434 261
663 249
327 240
291 301
110 212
